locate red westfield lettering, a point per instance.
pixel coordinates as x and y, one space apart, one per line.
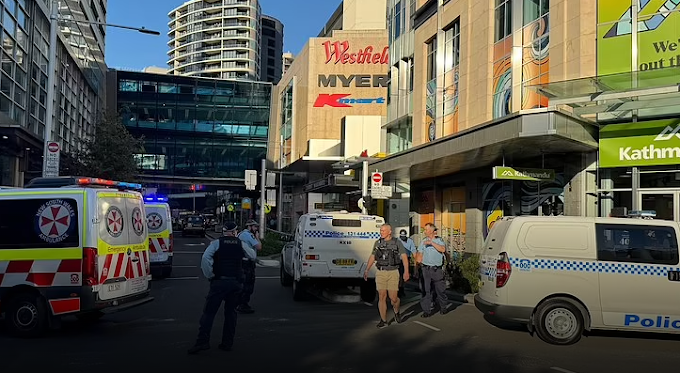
331 100
340 52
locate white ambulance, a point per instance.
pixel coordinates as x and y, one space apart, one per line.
331 249
159 224
563 275
71 246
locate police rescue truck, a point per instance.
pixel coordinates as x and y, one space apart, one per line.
71 246
331 249
159 224
563 275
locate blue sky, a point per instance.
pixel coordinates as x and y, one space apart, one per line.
127 49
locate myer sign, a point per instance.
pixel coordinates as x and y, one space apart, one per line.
530 174
649 143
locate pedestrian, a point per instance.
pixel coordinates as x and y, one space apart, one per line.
222 264
249 240
388 253
431 254
410 253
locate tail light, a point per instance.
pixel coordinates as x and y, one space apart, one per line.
503 270
90 272
171 241
147 267
311 257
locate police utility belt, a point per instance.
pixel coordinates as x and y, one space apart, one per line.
387 268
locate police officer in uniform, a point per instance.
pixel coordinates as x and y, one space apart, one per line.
222 264
250 241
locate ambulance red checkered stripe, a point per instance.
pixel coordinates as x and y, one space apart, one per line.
116 265
158 245
41 273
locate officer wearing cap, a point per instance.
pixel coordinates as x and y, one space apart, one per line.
410 252
222 264
250 241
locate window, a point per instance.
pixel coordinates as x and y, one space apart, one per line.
17 232
346 223
503 17
397 20
432 59
452 46
637 244
535 9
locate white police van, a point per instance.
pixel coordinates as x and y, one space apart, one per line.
563 275
331 249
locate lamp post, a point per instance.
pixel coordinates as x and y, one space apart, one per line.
51 73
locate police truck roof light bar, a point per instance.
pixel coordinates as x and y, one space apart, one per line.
155 199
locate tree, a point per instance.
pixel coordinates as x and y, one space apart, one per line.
109 155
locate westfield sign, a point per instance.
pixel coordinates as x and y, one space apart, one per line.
341 52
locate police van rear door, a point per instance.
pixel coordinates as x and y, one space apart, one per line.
345 242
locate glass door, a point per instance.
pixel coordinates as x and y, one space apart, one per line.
665 203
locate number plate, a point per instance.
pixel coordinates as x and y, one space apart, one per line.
344 262
114 287
136 285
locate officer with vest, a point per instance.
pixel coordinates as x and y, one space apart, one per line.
222 264
388 254
249 240
431 253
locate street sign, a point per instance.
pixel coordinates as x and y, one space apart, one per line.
267 209
245 204
52 161
382 192
528 174
376 180
251 179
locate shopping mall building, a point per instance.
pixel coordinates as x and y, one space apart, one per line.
522 107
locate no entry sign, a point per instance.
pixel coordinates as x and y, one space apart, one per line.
376 180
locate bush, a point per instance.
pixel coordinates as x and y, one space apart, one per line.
271 245
464 274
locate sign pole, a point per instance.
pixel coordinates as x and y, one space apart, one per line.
263 196
364 184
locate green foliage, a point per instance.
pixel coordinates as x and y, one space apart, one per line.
271 245
470 270
110 155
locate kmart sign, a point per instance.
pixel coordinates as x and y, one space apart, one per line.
640 144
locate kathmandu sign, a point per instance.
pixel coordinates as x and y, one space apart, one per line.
526 174
651 143
342 52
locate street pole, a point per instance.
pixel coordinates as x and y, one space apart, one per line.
51 77
279 202
263 196
364 185
194 188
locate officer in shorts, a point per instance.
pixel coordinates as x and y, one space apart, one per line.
388 254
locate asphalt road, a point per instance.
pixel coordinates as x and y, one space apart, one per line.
315 336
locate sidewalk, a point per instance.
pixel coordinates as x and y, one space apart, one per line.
453 295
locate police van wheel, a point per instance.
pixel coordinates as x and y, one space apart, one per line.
299 290
558 322
26 315
286 279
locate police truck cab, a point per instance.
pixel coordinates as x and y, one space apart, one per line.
563 275
71 246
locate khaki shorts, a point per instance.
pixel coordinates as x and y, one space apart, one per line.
387 280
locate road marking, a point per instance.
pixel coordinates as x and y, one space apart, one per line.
195 244
184 266
182 278
188 252
562 370
268 277
429 326
368 304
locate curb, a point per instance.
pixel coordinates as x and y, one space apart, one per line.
453 295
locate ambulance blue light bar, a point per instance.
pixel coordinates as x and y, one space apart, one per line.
84 181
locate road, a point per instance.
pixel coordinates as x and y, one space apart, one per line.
315 336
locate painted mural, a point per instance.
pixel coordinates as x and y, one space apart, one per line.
535 62
502 78
535 194
431 110
495 196
451 101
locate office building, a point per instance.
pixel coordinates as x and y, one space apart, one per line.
197 131
288 59
215 39
271 54
80 81
330 105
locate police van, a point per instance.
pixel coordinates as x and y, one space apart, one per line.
159 224
331 249
563 275
71 246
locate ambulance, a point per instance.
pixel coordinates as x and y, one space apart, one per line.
71 246
159 224
331 249
563 275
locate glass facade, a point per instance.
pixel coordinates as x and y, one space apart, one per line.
195 127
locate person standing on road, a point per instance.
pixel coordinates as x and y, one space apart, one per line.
410 252
250 241
388 253
222 265
431 254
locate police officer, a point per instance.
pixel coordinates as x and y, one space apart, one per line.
249 240
431 253
222 264
410 247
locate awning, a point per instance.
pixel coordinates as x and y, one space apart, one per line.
334 183
515 137
615 97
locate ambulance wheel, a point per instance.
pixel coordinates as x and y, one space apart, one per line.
26 315
368 291
299 290
558 322
286 279
89 317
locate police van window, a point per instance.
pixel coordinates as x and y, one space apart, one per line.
39 224
346 223
637 244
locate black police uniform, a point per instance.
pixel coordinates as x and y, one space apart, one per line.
225 287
